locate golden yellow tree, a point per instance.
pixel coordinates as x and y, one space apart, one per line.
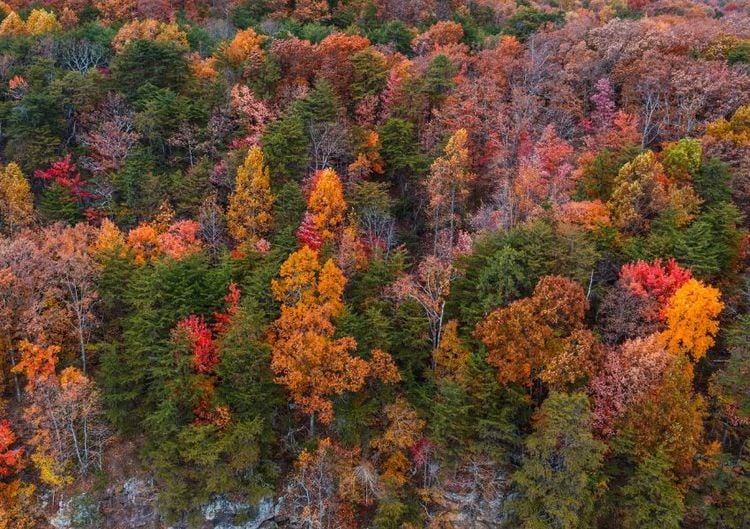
41 21
450 357
326 204
249 213
692 319
16 202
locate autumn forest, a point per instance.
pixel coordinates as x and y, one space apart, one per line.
374 264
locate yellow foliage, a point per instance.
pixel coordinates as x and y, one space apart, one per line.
326 204
109 239
16 201
17 506
41 21
249 212
297 277
149 29
50 472
12 25
691 316
449 358
736 130
396 468
244 45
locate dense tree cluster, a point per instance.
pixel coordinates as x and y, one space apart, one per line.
375 264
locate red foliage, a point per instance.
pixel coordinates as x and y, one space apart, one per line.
10 459
66 173
222 320
307 233
654 282
205 352
422 452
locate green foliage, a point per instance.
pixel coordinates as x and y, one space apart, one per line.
157 297
505 267
370 74
286 147
526 20
559 479
731 384
709 245
147 62
712 182
683 160
399 148
598 176
56 204
729 492
196 461
651 500
392 32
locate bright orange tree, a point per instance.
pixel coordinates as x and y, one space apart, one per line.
306 358
691 316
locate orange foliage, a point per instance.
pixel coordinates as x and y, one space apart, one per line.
245 45
691 319
538 336
37 363
181 239
306 358
450 357
143 241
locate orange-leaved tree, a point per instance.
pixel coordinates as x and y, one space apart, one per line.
306 358
541 337
691 316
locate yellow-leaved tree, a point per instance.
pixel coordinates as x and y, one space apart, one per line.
326 204
16 202
249 213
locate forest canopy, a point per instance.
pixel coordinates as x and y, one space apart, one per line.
377 264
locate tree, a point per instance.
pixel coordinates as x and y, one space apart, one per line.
17 510
631 372
541 337
74 273
286 147
450 358
655 283
65 414
326 204
16 200
448 186
639 194
306 358
313 499
559 478
651 500
161 64
691 319
180 239
429 287
670 417
730 386
249 211
10 458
